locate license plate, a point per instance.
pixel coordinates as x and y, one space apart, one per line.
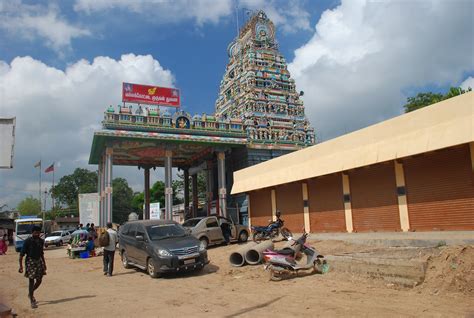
189 261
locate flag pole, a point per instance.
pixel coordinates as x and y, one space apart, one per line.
52 199
40 184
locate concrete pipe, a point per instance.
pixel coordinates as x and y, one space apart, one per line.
237 258
255 254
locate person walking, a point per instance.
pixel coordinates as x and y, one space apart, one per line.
4 244
109 250
35 265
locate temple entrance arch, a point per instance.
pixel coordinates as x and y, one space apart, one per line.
185 144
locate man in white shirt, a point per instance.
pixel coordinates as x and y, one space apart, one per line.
109 251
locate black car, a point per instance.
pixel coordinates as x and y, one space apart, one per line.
160 246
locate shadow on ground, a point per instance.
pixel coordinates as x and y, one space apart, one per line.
64 300
249 309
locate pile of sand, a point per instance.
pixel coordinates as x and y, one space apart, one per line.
451 270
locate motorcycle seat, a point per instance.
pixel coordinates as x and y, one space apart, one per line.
259 228
286 251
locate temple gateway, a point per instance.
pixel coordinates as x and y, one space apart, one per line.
258 116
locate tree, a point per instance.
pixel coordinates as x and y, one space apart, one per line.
157 194
179 184
425 99
137 202
80 181
122 197
29 206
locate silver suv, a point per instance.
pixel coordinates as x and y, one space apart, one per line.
208 230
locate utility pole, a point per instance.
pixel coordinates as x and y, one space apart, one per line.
45 196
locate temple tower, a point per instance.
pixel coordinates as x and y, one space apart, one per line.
258 89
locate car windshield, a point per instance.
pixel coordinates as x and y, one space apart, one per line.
191 222
55 234
162 231
26 227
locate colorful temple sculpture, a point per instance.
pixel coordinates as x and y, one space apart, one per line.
257 88
258 116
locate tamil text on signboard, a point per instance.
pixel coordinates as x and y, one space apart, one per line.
144 94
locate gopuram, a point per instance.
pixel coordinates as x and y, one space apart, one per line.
258 116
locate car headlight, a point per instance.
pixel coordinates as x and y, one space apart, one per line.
201 248
164 253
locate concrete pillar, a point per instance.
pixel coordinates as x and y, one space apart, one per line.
274 204
195 194
209 186
402 197
102 214
347 202
186 194
108 182
250 213
168 188
100 176
222 184
307 223
146 211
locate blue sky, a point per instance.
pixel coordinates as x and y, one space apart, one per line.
62 63
195 53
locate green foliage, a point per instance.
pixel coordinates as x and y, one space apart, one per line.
80 181
157 193
425 99
137 202
179 183
122 197
58 212
29 206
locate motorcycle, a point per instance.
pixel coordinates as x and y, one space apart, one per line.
270 231
284 262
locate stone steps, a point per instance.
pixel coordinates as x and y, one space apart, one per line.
401 271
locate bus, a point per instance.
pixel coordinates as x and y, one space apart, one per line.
23 227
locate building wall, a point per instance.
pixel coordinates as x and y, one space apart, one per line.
289 201
440 190
326 205
260 207
374 198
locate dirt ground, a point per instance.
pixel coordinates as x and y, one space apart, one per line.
76 288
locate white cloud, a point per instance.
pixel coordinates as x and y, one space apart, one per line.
468 83
33 21
163 11
365 54
57 112
288 16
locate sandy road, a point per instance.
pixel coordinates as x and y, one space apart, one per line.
75 288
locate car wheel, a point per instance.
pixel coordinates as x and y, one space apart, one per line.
204 243
45 246
150 266
243 236
125 260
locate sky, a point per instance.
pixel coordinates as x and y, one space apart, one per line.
62 63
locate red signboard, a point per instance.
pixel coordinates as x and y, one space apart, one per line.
154 95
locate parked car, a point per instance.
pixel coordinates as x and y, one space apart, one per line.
160 246
208 230
57 238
